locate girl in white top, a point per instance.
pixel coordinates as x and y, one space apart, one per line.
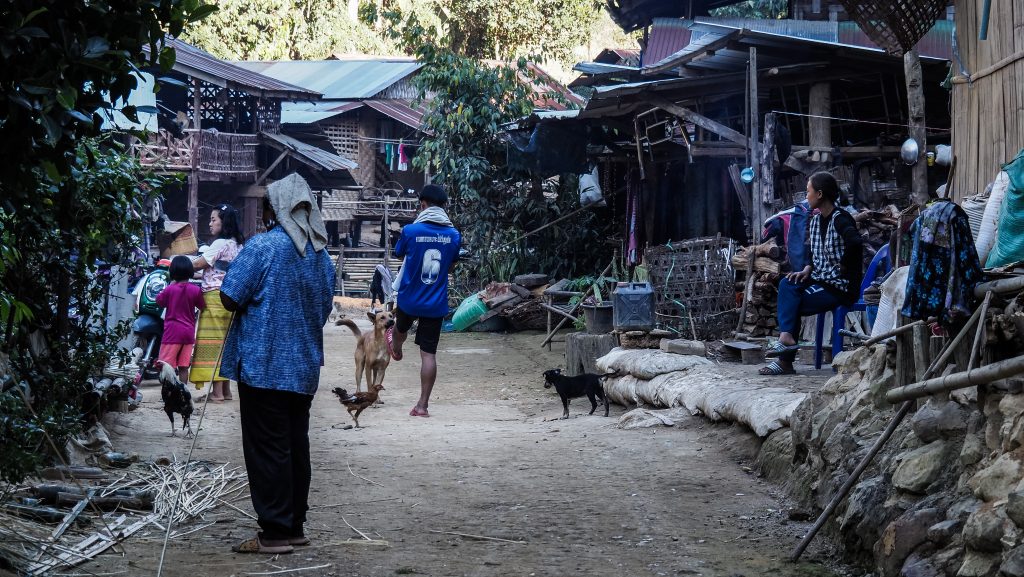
213 262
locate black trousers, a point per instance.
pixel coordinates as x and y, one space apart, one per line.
275 441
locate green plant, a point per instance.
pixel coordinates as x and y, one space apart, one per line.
66 202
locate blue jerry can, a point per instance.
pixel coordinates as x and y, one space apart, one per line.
633 306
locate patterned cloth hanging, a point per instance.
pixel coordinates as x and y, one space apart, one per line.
944 266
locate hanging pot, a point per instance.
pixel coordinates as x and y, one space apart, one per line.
747 175
910 152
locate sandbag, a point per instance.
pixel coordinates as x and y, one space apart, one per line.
645 418
1009 245
894 291
985 237
702 390
647 363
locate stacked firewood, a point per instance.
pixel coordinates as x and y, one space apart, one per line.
876 227
763 265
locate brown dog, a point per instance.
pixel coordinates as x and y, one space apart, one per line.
372 350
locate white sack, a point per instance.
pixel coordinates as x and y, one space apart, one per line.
647 363
894 291
986 238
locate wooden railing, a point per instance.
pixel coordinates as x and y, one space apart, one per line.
219 152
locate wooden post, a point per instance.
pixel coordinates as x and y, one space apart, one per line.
819 126
915 115
757 206
768 161
193 177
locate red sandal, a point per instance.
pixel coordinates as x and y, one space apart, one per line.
390 336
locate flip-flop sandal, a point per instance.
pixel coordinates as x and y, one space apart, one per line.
418 413
390 334
777 348
298 541
774 369
256 545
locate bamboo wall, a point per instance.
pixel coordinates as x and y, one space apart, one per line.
988 113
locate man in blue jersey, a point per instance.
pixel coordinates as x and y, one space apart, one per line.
430 246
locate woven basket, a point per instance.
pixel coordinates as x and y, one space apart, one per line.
694 288
897 25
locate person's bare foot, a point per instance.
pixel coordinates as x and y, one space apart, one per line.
418 412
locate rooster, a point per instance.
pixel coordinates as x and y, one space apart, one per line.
358 401
176 397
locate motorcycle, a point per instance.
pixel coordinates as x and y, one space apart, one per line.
148 326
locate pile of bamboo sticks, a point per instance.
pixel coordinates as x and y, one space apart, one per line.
181 492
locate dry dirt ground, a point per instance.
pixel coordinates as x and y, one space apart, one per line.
576 497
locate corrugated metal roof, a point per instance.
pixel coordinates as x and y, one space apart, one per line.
197 63
310 112
667 36
937 43
339 79
400 110
309 154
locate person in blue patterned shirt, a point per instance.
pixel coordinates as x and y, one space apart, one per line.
280 288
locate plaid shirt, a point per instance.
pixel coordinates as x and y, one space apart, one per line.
827 253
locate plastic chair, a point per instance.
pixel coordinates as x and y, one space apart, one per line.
879 266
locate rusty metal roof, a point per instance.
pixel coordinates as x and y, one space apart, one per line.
667 36
342 79
310 155
400 110
200 64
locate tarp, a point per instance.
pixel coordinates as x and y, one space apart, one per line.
1009 247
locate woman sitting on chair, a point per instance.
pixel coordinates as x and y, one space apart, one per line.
833 278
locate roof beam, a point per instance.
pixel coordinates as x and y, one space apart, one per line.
700 120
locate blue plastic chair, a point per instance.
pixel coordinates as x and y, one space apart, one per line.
879 266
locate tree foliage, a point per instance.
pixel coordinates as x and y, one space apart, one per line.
465 150
65 202
771 9
284 30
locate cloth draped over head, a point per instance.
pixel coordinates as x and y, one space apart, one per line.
297 212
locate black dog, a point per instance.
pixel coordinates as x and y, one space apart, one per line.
587 384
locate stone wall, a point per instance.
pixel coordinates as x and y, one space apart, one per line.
945 496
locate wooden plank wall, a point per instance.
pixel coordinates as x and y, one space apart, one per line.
988 113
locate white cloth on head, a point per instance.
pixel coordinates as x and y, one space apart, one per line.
297 212
432 214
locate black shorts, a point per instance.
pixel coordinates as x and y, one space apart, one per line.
428 334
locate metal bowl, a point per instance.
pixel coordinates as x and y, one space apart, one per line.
910 152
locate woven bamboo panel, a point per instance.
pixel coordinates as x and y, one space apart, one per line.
898 25
693 283
344 135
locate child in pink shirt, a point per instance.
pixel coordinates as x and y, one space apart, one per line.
181 299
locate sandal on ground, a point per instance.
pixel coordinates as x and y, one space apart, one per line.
391 351
777 348
214 399
298 541
774 369
266 547
417 412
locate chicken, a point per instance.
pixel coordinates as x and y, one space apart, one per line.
176 398
358 401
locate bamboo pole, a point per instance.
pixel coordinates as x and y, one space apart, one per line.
986 374
892 333
1001 286
978 337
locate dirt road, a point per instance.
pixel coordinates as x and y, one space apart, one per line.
576 496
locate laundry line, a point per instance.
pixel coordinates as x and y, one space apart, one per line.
854 120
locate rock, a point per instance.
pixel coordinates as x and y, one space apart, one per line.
939 420
985 528
978 564
775 459
531 280
963 509
973 451
866 511
1015 507
921 467
883 385
1013 565
921 565
995 482
943 531
797 514
901 537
